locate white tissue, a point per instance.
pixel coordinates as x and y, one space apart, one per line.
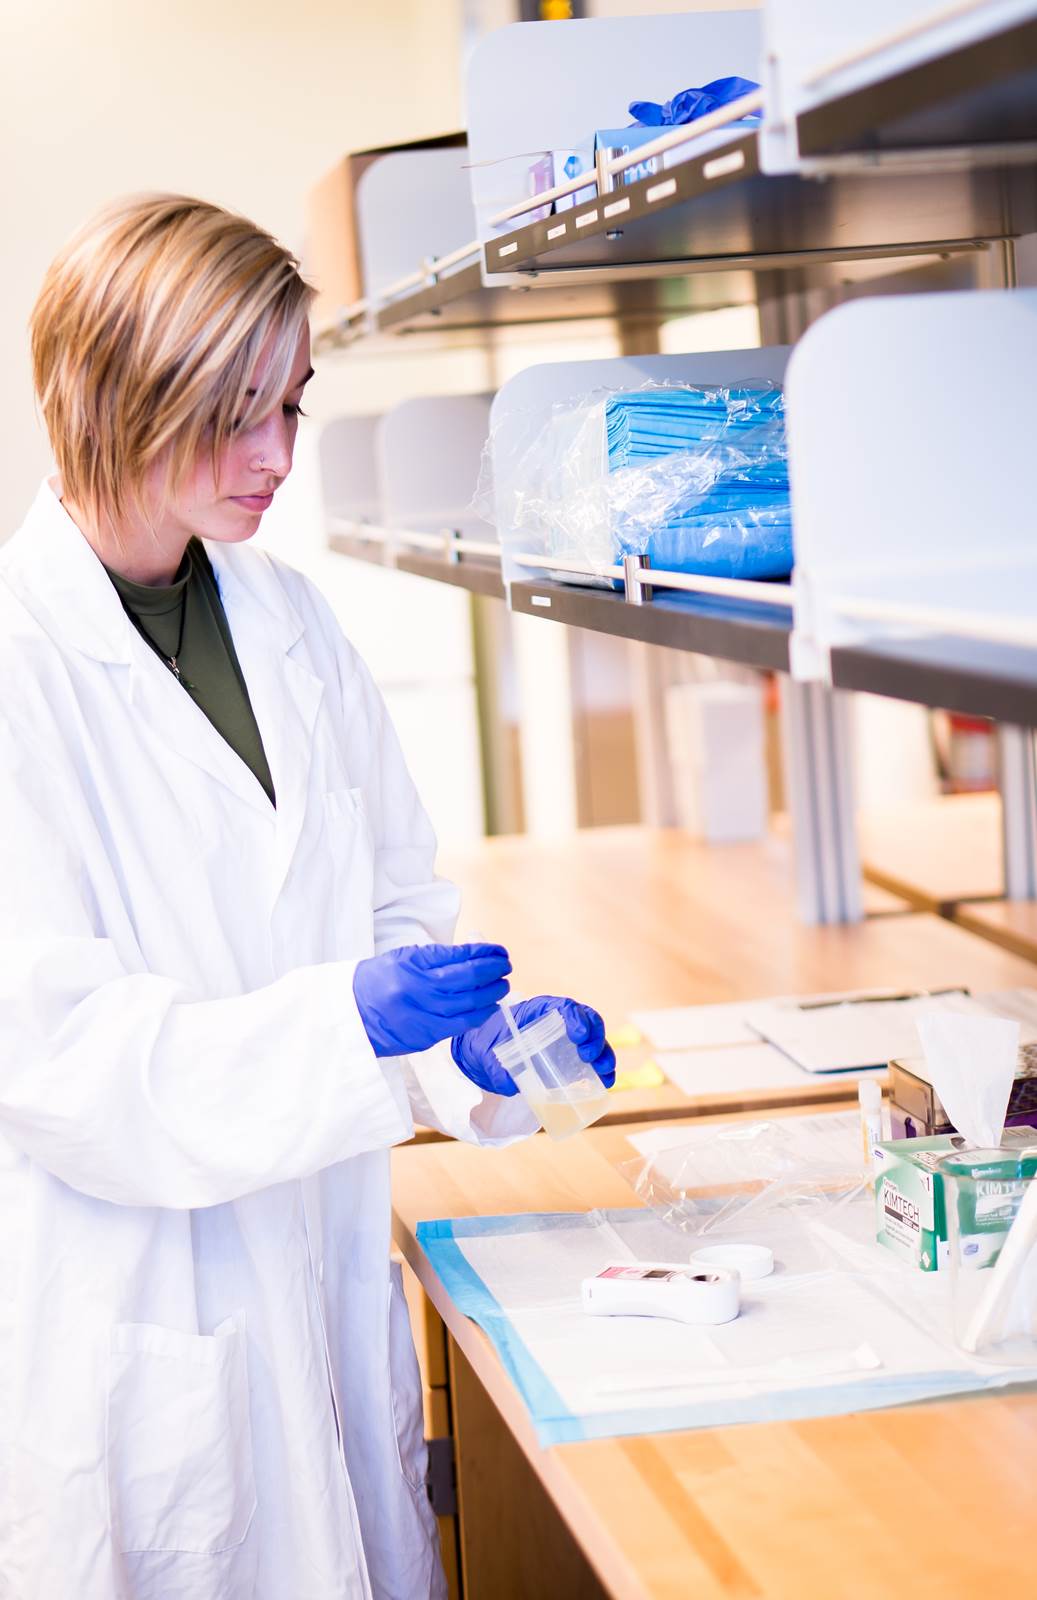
971 1063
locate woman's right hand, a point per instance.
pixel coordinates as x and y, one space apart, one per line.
410 999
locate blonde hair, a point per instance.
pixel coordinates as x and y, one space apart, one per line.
145 337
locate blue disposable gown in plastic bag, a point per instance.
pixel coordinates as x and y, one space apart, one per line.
698 479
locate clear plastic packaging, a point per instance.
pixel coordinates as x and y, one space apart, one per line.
991 1204
565 1093
734 1177
694 477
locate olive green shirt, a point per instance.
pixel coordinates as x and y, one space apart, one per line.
208 663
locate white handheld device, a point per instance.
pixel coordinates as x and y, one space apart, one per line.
663 1289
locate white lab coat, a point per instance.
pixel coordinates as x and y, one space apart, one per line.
195 1290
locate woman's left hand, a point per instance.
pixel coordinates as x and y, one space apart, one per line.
473 1051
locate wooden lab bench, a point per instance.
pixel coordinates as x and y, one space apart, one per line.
936 853
932 1498
1010 923
634 918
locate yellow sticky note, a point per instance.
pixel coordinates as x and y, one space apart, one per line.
647 1076
626 1037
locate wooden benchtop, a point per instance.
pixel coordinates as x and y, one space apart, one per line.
937 852
636 918
1009 923
933 1498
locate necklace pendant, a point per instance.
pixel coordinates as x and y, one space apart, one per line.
174 669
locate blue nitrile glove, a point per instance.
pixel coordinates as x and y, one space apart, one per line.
412 998
691 104
473 1051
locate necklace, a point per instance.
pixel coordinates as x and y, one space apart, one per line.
172 662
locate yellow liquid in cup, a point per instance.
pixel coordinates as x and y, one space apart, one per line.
562 1116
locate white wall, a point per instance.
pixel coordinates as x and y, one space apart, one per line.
243 104
246 105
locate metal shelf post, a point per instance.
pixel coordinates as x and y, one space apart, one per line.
817 734
1017 757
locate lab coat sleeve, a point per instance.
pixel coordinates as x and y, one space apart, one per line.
126 1088
412 905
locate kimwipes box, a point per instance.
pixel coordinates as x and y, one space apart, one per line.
332 238
909 1199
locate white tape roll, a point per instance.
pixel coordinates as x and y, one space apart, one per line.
750 1261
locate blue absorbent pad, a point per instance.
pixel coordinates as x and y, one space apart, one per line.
519 1278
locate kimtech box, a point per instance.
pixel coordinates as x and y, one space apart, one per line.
910 1203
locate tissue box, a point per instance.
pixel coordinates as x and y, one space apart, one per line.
909 1199
916 1110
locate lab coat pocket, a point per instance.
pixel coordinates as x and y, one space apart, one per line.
405 1378
350 852
178 1439
344 806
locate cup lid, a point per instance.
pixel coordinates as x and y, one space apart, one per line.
535 1035
751 1261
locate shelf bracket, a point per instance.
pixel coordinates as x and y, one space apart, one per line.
817 742
636 593
1017 759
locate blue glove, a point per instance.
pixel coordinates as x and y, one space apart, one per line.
412 998
692 103
473 1051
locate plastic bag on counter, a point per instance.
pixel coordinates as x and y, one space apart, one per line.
694 477
734 1177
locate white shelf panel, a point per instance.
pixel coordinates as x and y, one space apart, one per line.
532 90
821 55
911 449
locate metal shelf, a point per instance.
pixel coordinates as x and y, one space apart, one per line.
477 574
460 302
731 630
719 210
979 678
691 239
983 93
374 550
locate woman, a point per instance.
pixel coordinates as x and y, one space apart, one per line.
226 987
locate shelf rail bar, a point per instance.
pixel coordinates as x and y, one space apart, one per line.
1001 630
634 571
342 330
671 140
768 594
429 272
910 30
448 543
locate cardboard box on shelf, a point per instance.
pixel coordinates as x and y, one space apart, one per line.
332 252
